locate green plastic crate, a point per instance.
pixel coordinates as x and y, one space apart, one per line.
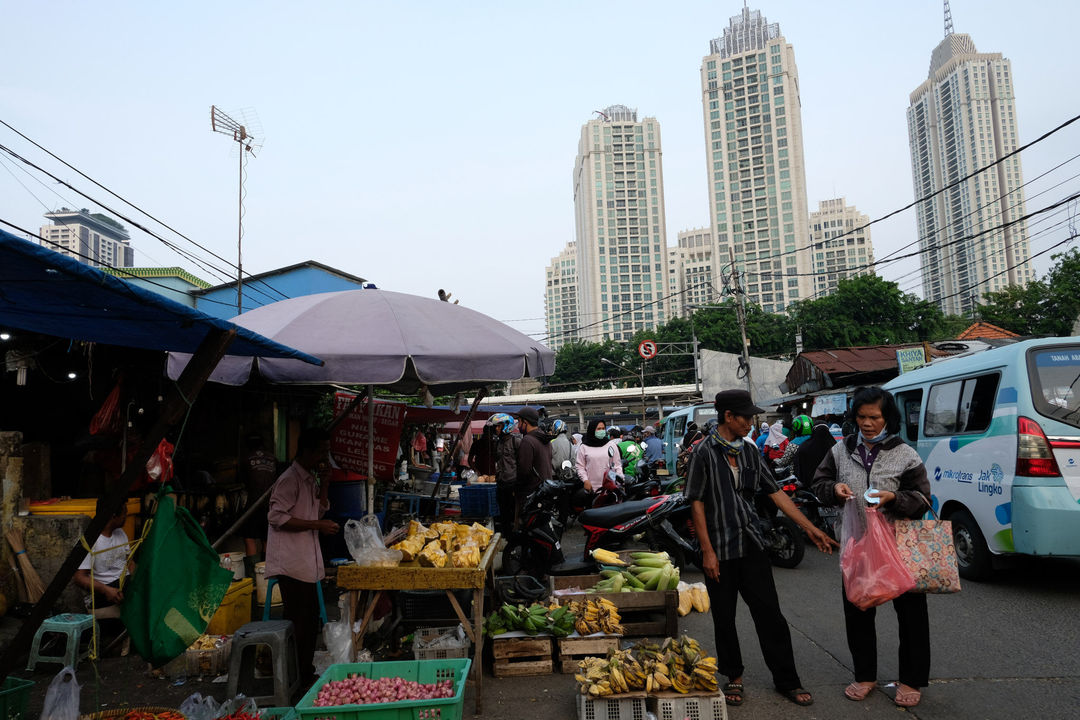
423 671
13 698
277 713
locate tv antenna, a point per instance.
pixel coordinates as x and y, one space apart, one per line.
247 144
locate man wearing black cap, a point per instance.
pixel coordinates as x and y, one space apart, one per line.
534 455
725 473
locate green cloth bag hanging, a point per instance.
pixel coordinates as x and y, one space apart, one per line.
177 586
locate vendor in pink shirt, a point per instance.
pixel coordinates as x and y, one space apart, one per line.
293 555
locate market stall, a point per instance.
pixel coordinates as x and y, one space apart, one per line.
412 576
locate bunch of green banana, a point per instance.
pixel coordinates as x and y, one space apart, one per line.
557 620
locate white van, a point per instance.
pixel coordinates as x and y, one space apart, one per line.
999 433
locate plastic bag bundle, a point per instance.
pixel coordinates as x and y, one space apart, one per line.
62 697
197 707
338 639
872 568
365 542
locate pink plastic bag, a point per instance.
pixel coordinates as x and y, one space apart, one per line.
872 568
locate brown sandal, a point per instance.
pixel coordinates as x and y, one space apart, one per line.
907 698
857 691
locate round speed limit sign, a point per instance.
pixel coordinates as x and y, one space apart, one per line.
647 349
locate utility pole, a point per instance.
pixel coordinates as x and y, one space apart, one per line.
741 310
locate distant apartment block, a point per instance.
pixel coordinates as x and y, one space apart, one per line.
754 153
961 119
560 298
90 238
693 275
619 226
842 246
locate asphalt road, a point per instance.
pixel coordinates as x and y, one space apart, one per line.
1004 649
1009 648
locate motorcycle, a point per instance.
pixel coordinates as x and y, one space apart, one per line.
784 541
613 526
535 548
643 484
824 517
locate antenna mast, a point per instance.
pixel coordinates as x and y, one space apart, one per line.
222 123
948 20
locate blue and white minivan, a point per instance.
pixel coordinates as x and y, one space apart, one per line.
674 428
999 433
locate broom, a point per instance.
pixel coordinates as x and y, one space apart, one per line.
17 577
34 587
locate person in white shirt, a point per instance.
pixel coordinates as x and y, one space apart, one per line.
109 559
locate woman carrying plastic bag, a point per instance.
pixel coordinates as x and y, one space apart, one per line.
875 468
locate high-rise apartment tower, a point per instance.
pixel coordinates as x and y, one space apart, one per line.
961 119
90 238
754 150
842 247
619 219
560 298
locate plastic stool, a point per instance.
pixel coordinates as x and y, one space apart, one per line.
72 626
278 635
270 595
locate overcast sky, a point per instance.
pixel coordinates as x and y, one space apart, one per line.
430 144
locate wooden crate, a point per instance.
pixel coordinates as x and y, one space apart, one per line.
573 649
518 656
651 613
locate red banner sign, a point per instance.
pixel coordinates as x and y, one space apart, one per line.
349 443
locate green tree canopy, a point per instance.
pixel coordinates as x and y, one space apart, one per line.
1049 306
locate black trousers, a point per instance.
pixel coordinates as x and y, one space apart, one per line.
751 577
504 496
300 604
914 630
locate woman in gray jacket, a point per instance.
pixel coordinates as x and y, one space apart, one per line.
875 465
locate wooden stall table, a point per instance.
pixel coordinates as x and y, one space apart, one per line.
412 576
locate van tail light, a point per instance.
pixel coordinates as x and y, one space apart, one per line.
1034 456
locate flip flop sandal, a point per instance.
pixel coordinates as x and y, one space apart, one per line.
907 698
733 693
857 692
794 693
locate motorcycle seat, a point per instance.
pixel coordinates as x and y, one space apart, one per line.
612 515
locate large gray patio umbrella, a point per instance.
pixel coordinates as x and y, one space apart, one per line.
376 337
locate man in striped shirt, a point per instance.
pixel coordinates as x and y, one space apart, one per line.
725 473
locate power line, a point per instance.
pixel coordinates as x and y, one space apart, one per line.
124 271
129 203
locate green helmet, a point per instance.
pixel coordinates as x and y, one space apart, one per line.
802 425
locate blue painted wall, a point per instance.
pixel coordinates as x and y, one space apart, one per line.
221 302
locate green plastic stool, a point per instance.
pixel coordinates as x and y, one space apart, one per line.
72 626
270 594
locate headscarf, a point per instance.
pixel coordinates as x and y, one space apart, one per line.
590 438
577 438
812 452
776 435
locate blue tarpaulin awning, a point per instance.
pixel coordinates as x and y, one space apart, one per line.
45 292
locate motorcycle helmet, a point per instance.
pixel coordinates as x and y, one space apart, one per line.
503 423
637 433
557 427
802 425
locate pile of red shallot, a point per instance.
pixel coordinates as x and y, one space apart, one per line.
359 690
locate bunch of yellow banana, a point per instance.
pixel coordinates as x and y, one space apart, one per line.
595 677
596 615
633 674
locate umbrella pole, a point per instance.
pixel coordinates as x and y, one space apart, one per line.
371 450
465 427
